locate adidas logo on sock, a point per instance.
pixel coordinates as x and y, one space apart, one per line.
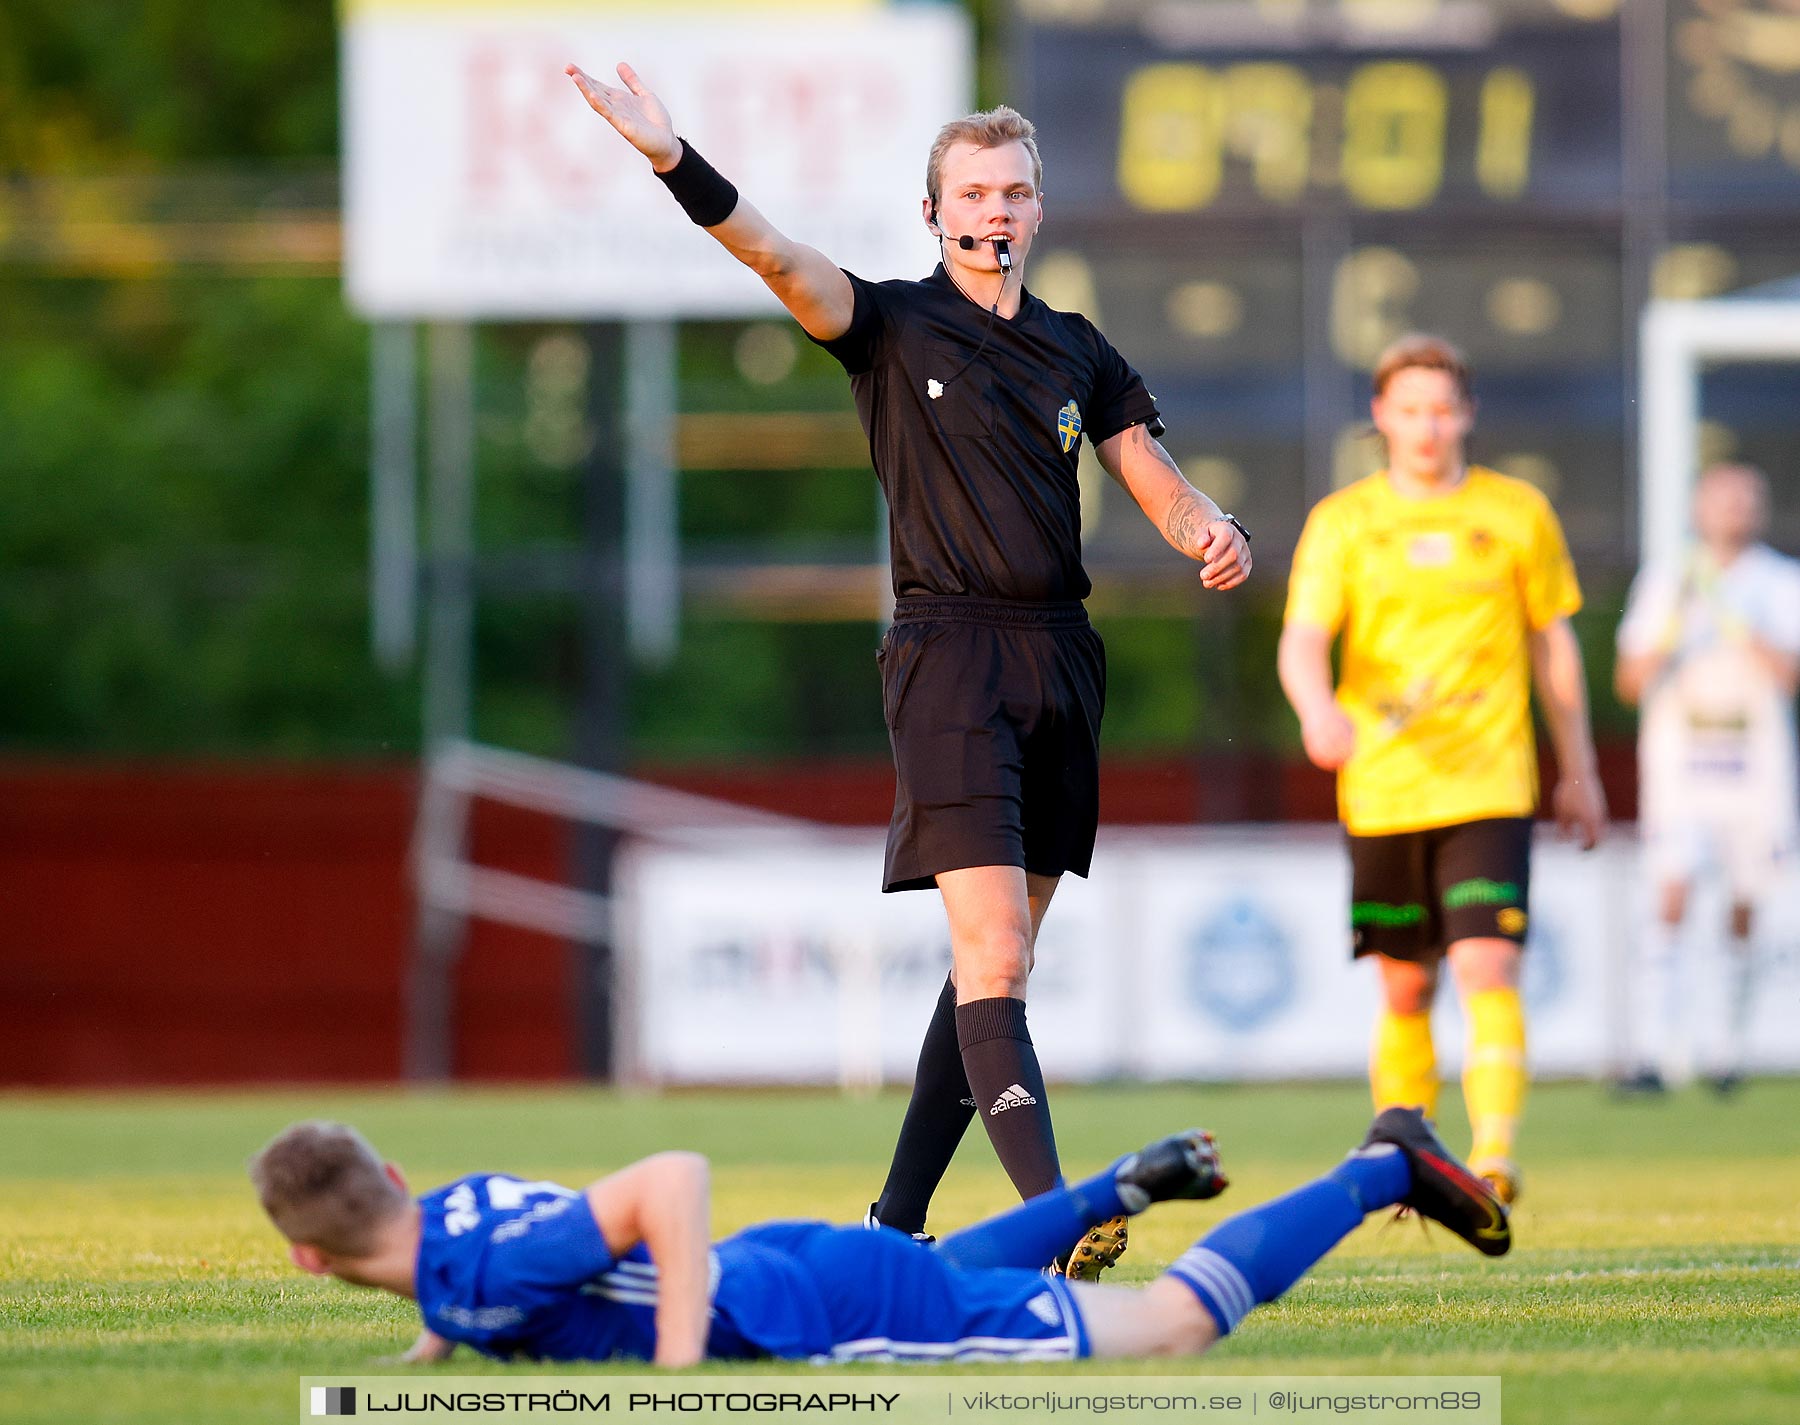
1014 1097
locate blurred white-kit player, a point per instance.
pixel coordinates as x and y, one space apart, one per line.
1710 650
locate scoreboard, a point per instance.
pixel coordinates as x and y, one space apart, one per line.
1254 196
1184 125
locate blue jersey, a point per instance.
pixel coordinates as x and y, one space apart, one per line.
516 1268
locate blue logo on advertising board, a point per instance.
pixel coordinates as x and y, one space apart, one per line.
1240 966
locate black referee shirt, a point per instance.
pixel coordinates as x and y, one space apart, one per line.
979 467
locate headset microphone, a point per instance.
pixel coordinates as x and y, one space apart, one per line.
1002 249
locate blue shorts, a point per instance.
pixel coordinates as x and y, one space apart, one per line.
888 1298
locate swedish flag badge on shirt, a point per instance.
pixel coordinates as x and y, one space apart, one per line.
1068 426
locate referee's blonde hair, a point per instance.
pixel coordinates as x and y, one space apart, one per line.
990 128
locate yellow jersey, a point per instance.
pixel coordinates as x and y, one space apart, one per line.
1434 597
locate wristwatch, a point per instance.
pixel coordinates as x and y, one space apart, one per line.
1238 525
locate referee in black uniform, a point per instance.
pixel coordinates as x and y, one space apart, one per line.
975 396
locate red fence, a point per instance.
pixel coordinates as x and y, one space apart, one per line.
182 926
189 926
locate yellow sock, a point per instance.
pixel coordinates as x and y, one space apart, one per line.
1403 1063
1494 1075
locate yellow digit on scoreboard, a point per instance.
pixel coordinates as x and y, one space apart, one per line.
1270 123
1394 121
1503 152
1172 137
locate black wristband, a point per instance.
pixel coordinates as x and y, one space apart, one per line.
1238 525
705 194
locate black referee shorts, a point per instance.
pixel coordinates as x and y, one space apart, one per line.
1416 893
993 709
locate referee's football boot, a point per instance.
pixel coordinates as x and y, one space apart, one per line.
1442 1188
874 1224
1183 1165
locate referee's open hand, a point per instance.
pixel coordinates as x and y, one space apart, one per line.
1226 557
635 112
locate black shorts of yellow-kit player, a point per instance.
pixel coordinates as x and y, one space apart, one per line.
993 708
1414 893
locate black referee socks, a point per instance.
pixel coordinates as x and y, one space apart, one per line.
936 1118
1008 1088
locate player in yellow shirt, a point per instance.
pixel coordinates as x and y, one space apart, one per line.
1450 587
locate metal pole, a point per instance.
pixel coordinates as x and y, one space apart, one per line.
1328 394
439 837
450 619
652 492
393 494
599 728
440 932
1643 59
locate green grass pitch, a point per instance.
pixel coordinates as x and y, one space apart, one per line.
1656 1276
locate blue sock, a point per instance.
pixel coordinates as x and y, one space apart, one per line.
1376 1179
1037 1230
1256 1256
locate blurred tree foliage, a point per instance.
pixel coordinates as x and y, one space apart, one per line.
93 84
180 568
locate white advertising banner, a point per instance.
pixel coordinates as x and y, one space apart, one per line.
785 963
478 183
1219 954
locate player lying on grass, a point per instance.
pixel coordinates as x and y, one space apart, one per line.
627 1268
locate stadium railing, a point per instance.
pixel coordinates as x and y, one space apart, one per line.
452 890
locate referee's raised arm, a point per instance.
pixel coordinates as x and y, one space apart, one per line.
808 283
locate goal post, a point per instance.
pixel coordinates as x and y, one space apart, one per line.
1679 340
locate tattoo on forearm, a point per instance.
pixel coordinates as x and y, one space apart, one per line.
1186 524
